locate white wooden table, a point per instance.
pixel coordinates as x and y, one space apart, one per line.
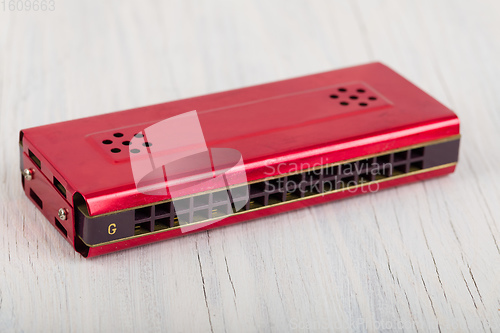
421 257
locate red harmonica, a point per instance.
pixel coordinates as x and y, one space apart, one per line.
113 181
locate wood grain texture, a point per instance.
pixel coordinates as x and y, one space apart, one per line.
423 257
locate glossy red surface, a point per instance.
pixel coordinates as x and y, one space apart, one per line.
51 199
293 120
301 121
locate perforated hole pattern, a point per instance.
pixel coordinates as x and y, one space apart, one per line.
282 189
354 95
118 145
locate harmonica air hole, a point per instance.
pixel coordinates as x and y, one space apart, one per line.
143 213
142 228
160 224
401 156
163 209
419 152
415 166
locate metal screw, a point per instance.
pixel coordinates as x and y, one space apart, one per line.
63 215
28 174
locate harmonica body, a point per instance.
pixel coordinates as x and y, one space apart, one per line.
296 143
